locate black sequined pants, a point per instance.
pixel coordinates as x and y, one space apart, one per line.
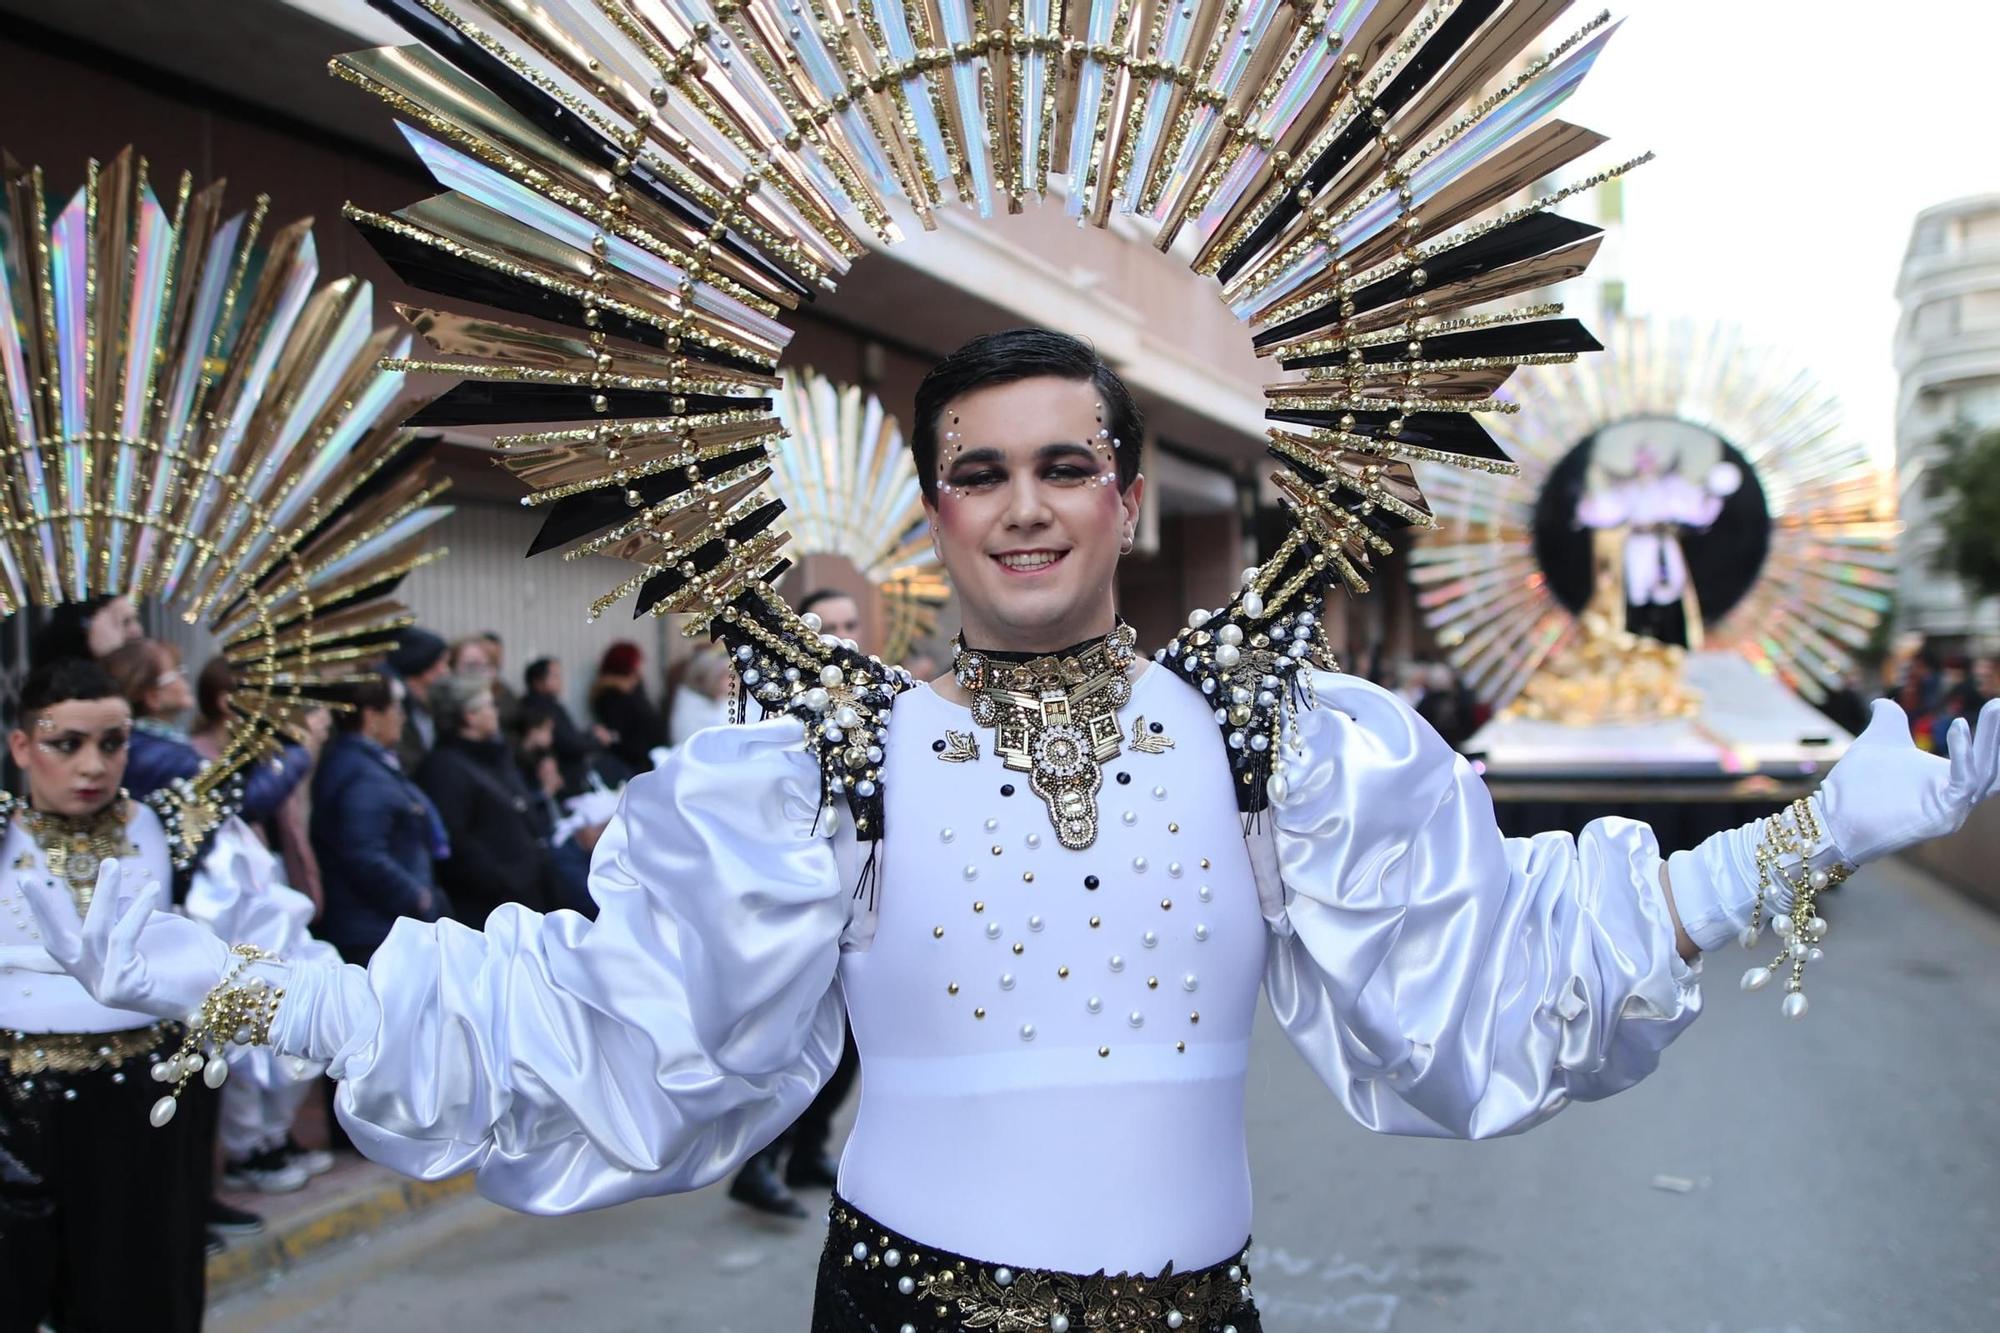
875 1280
108 1237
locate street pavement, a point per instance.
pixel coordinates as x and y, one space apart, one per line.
1838 1173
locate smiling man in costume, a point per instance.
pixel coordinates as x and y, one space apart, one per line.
1053 970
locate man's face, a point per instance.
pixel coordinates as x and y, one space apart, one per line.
1028 515
552 683
840 617
74 754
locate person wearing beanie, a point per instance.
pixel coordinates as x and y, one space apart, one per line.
418 661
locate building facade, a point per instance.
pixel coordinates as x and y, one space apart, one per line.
1948 363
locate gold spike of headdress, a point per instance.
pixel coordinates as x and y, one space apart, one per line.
849 489
669 177
183 416
1828 572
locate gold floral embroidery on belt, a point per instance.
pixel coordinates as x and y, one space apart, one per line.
1027 1300
29 1053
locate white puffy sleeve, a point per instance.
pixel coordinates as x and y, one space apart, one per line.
575 1064
1444 980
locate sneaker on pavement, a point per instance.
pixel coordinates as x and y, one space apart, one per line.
313 1161
267 1172
231 1221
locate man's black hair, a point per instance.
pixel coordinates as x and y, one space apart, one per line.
376 693
61 681
1020 354
538 671
818 595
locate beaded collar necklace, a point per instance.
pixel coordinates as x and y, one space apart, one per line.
1054 716
76 847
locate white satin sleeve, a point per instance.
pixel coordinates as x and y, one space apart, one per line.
1444 980
574 1064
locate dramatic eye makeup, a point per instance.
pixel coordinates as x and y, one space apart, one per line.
1063 462
67 743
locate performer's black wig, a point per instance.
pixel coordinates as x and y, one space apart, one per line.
61 681
1019 354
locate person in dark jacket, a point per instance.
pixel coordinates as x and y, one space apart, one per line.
373 829
418 660
578 753
479 793
150 676
618 701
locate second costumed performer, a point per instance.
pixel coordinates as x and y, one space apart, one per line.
1060 875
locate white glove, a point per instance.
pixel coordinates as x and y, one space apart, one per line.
1885 794
127 953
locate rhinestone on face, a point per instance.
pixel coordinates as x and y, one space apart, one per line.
951 988
1034 923
1103 1051
937 932
1205 893
971 872
1062 974
1117 962
1159 793
1174 869
980 1012
1095 1004
1139 864
992 824
1027 1032
1150 940
1090 881
1006 981
1130 817
1189 982
1201 932
946 835
992 930
1096 921
1136 1019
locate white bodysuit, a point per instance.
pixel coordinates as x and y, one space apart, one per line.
1441 979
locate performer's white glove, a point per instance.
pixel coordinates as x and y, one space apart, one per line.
1885 794
126 951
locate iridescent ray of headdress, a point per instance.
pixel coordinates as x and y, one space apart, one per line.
849 489
667 179
1826 579
185 415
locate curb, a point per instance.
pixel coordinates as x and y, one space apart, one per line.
354 1212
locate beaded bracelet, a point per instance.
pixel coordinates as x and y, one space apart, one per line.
232 1014
1804 928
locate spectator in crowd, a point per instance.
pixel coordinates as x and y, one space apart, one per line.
149 674
288 830
578 753
569 838
88 629
619 704
419 659
478 791
480 655
373 829
839 614
701 697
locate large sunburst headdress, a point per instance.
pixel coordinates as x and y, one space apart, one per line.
657 183
185 414
1492 575
850 490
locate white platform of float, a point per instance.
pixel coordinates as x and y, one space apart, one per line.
1750 726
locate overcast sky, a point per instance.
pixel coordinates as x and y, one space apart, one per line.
1797 141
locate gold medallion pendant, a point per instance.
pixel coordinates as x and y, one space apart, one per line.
1055 718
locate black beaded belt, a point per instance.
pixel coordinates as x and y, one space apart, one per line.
873 1280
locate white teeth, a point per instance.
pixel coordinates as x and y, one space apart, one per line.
1034 561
